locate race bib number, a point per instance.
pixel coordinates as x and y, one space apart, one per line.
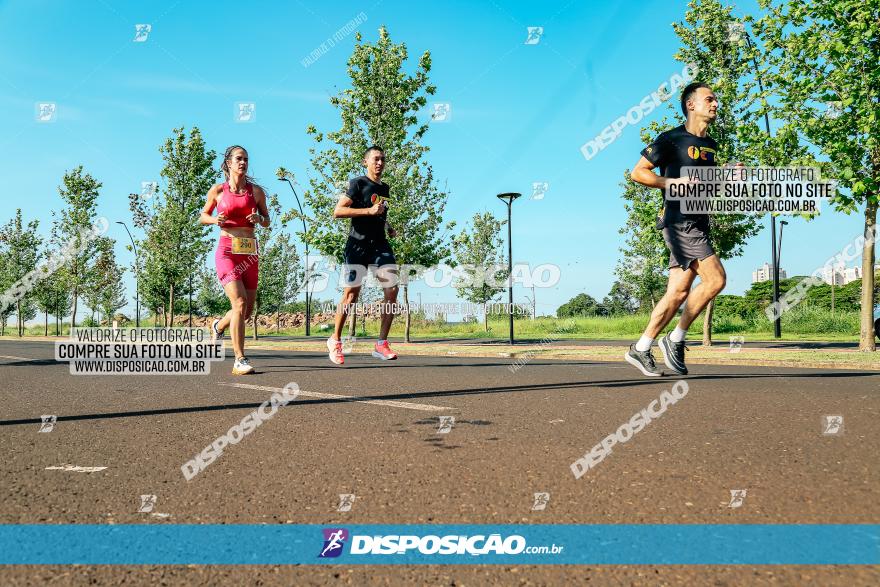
244 246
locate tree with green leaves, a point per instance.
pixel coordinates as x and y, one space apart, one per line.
210 297
280 268
175 242
714 41
580 305
619 301
380 108
824 61
19 251
108 279
79 191
52 293
44 299
645 256
478 253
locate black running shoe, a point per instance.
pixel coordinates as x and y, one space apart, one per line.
643 361
673 355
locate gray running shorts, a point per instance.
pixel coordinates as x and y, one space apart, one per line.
686 243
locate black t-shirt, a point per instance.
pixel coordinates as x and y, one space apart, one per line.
672 150
362 190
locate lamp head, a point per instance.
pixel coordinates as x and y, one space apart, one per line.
509 197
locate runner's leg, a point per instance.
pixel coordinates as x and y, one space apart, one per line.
677 289
238 300
387 311
251 300
712 280
346 305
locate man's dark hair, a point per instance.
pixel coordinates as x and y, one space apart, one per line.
373 148
688 92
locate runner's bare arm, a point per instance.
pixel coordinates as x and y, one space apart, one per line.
261 215
210 204
344 210
643 173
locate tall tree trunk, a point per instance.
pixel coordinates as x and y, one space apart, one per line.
73 306
866 338
707 323
406 309
20 324
169 314
352 323
47 323
255 314
485 317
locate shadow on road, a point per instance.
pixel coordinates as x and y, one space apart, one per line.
442 394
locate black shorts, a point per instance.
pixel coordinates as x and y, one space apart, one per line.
360 255
687 242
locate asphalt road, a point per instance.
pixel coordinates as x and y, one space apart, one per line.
371 429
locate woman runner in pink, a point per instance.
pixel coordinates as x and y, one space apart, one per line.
240 205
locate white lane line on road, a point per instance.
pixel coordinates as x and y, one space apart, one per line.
16 358
76 469
378 402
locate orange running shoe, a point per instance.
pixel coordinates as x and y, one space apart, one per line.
335 348
384 352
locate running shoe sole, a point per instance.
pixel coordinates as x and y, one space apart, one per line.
243 372
379 355
666 354
635 363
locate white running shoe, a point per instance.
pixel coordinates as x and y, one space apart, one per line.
242 367
335 347
216 334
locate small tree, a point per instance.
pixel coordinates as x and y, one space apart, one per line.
478 252
79 191
175 242
580 305
280 268
108 278
19 247
210 298
619 301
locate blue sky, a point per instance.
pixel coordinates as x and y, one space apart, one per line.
519 112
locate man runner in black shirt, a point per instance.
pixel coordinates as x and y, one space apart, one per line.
365 203
686 235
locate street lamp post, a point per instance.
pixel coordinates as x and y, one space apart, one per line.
306 244
137 278
508 199
782 224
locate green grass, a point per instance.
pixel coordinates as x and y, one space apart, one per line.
800 323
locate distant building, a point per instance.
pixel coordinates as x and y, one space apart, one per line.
840 274
765 273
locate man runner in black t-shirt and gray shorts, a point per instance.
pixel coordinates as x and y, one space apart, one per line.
686 235
366 204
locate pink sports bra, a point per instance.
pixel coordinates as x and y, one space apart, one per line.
236 207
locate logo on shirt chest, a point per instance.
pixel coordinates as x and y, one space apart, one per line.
704 153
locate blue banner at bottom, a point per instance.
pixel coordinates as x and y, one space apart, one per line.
612 544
